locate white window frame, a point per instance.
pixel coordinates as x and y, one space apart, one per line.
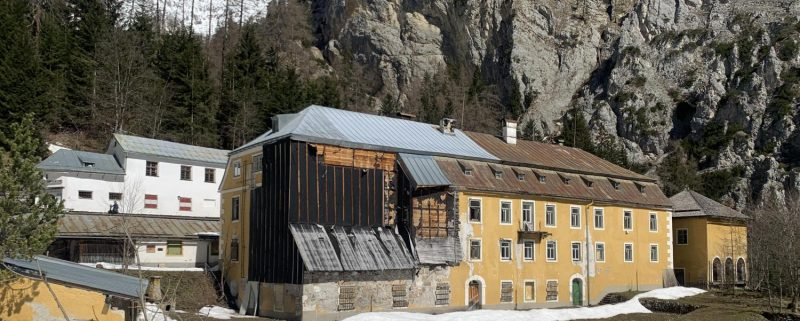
596 257
652 246
572 251
558 292
650 221
555 215
624 256
525 256
510 250
678 232
512 292
510 212
480 252
624 211
547 251
602 218
480 207
575 227
522 211
237 168
525 290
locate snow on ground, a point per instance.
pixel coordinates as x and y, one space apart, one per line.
216 312
111 266
598 312
154 313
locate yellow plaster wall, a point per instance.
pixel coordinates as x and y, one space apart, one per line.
692 257
726 239
603 277
26 299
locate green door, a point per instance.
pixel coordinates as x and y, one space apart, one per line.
577 292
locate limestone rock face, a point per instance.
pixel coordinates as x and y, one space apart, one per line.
646 71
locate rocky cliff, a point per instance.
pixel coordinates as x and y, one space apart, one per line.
722 76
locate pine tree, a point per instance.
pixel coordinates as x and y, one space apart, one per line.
575 132
18 64
28 214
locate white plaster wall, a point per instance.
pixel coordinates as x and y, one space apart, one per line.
169 186
194 254
99 188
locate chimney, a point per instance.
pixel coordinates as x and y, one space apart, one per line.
446 125
510 131
154 289
405 116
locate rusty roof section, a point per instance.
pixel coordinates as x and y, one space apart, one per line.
602 189
102 225
552 157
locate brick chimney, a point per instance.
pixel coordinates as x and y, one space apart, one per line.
446 125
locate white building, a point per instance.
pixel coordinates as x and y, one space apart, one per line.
143 177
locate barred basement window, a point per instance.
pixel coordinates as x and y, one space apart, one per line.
347 296
399 296
506 291
552 290
442 293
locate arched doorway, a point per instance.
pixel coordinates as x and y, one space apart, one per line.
741 273
577 292
474 295
716 271
729 277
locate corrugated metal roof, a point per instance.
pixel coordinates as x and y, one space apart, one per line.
69 273
422 170
690 204
102 225
356 248
553 157
162 148
483 179
439 251
338 127
78 161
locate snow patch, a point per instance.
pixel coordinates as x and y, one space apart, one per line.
598 312
154 313
111 266
216 312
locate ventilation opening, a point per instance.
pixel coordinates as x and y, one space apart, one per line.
682 120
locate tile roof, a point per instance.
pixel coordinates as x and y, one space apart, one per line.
338 127
77 161
69 273
422 171
162 148
83 224
553 157
691 204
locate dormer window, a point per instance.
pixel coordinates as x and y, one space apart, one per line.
564 179
587 181
614 183
498 172
640 187
541 178
88 164
520 175
465 168
498 175
468 172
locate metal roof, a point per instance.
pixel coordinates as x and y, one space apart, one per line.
162 148
691 204
438 251
357 248
77 161
422 170
338 127
252 143
69 273
553 157
102 225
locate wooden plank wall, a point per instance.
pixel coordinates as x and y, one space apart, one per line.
429 215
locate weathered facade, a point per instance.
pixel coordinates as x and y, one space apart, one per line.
356 213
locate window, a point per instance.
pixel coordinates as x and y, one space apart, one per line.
151 169
257 165
551 251
498 175
520 176
114 196
599 219
214 247
442 293
550 215
399 292
184 204
576 251
237 168
88 164
600 252
530 291
347 297
527 212
506 291
150 201
505 250
541 178
151 248
627 220
235 208
552 290
653 252
505 212
466 168
468 172
475 250
653 222
682 237
628 252
234 249
564 179
85 195
527 253
575 217
186 173
174 248
614 183
210 175
474 210
740 271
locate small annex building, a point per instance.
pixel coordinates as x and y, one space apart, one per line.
710 242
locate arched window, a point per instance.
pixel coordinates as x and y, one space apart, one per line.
716 271
729 277
741 274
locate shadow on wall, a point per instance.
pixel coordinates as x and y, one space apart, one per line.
14 295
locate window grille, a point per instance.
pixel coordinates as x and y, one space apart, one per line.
506 292
443 294
399 296
347 297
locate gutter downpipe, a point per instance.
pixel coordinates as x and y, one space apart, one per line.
588 249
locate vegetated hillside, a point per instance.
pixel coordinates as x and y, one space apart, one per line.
702 94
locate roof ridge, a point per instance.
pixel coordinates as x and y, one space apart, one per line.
169 141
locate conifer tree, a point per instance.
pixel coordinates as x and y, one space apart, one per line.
575 132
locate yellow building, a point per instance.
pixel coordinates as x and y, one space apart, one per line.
361 213
710 242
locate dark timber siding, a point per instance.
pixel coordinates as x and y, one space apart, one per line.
298 188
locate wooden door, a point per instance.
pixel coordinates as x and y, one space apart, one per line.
577 292
474 295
